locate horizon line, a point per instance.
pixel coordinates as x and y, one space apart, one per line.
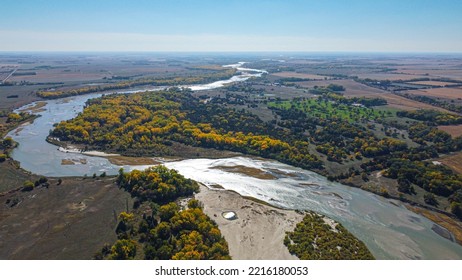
227 52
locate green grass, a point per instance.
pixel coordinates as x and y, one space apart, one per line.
329 110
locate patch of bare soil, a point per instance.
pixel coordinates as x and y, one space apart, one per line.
257 232
249 171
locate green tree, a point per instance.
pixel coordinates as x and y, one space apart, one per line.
124 249
28 186
166 212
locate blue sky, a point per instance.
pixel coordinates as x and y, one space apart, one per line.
232 25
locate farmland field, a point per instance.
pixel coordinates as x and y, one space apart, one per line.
390 76
355 89
433 83
324 109
449 93
453 161
300 75
453 130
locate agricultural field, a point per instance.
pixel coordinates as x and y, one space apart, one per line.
447 93
300 75
355 89
326 109
390 76
453 161
437 73
453 130
433 83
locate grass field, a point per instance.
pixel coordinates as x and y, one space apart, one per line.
321 109
355 89
25 95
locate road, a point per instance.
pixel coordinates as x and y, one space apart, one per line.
12 72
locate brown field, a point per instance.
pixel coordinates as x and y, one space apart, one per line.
453 130
70 221
12 177
432 83
123 160
59 76
443 73
449 93
453 161
402 103
299 75
25 95
389 76
352 88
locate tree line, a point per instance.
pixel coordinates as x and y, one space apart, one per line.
159 228
174 81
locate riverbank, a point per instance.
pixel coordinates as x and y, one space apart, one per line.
258 231
450 224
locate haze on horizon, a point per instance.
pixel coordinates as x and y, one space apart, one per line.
232 26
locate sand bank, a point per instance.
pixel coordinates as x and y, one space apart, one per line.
259 230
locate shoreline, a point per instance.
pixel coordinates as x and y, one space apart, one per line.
258 231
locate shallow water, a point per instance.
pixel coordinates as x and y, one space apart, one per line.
389 231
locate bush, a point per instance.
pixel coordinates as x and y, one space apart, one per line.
456 209
430 199
28 186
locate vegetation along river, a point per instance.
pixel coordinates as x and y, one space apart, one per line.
388 229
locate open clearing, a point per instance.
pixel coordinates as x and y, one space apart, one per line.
390 76
449 93
442 73
453 161
299 75
355 89
70 221
433 83
453 130
259 230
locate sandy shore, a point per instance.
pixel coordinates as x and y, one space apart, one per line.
259 230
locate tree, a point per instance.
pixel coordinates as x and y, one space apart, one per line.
194 203
124 249
430 199
404 186
166 212
8 142
28 186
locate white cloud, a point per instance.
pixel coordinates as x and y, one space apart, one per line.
47 41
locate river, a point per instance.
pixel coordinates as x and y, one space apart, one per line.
388 229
